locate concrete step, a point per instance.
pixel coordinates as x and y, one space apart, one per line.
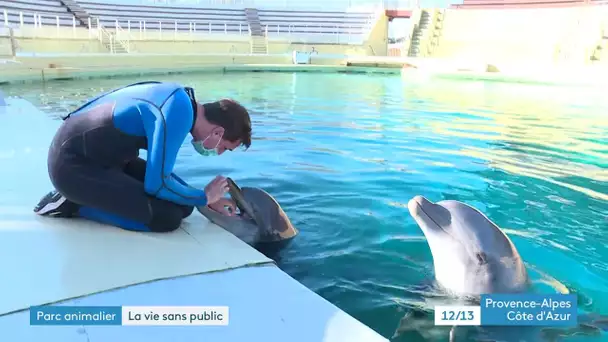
80 13
116 47
253 19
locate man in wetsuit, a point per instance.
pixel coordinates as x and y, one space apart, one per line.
94 162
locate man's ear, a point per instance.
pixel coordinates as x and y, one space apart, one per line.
219 130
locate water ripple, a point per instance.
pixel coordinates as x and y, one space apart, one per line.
344 153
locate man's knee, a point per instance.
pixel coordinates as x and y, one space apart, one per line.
166 216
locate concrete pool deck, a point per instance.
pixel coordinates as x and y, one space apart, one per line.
48 67
52 262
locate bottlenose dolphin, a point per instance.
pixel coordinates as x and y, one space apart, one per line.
261 222
471 254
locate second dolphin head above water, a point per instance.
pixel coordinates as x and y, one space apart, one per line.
471 254
261 223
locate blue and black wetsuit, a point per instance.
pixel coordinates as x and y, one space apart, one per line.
94 159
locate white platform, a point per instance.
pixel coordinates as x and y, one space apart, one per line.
265 305
69 258
76 262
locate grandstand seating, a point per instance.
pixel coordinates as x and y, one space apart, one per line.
310 24
48 11
296 25
167 17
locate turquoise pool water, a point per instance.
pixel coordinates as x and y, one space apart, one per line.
344 153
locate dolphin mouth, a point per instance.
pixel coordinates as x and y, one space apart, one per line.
241 215
239 199
416 207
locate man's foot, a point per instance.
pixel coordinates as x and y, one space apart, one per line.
56 205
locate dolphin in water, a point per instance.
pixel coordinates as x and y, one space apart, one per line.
261 222
471 254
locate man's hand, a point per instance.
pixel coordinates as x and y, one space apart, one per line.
224 206
216 189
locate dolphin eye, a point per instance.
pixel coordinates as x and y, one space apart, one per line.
481 258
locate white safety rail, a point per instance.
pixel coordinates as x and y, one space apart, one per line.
318 5
303 5
339 34
171 31
139 30
185 30
134 29
314 5
121 21
168 30
38 21
110 39
336 27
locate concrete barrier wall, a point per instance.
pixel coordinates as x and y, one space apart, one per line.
48 68
33 40
55 40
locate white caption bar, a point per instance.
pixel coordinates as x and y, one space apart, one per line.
175 315
457 315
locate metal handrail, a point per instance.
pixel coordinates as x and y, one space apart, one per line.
120 32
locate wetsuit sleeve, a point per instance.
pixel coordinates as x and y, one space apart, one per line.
166 128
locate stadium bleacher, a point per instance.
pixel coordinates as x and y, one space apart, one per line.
307 23
213 20
47 11
314 26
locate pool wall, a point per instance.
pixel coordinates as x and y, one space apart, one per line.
61 66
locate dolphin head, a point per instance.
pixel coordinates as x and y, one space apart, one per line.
471 255
261 223
273 224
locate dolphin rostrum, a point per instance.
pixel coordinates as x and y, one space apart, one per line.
471 254
261 222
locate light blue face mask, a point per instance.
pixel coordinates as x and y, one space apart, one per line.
203 151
